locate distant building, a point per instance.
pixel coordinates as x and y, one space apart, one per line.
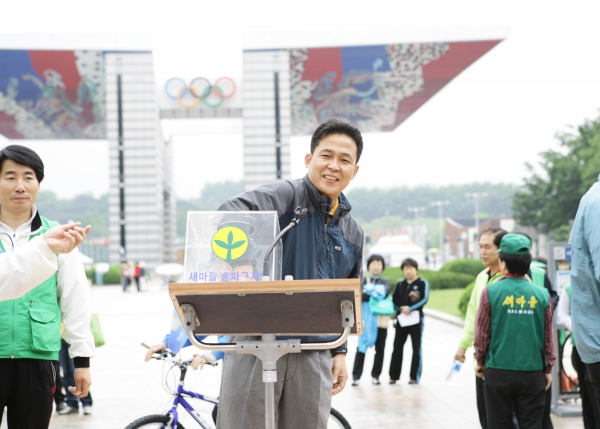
461 235
149 197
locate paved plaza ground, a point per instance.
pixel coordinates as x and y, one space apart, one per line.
125 388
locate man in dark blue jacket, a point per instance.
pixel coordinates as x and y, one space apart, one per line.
327 244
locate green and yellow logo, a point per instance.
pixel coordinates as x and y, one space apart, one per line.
230 243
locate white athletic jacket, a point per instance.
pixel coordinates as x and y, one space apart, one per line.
27 263
25 268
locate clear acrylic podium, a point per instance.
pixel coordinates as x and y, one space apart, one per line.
228 293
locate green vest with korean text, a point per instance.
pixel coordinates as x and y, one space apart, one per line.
30 325
517 325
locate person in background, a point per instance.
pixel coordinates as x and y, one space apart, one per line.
198 361
59 392
489 242
124 275
514 341
374 287
585 285
537 275
140 272
410 296
585 389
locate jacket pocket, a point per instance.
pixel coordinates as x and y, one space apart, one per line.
45 330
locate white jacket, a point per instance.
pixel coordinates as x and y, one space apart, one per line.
29 262
25 268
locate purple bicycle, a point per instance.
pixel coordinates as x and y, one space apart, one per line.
170 420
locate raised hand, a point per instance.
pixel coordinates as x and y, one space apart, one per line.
65 238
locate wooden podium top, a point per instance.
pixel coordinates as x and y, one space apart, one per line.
296 307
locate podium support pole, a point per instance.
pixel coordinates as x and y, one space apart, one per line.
270 405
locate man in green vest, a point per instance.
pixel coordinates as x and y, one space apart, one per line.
513 341
30 325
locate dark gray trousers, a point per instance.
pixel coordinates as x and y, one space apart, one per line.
302 391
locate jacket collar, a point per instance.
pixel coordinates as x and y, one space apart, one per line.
32 226
36 222
323 202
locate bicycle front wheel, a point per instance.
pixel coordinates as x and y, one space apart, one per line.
337 421
158 421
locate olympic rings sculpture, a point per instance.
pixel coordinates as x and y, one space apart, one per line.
201 89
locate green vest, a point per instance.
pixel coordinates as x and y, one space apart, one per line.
538 276
517 325
30 325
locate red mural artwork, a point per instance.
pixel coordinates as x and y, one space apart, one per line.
375 87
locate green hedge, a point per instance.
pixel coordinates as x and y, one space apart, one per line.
112 277
463 302
464 266
436 279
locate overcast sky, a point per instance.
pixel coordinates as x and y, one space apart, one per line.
499 113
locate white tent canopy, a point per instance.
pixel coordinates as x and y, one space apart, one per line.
86 259
397 248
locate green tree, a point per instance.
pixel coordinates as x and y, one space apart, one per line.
369 204
84 208
550 196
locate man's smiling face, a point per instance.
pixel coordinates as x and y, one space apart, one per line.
333 164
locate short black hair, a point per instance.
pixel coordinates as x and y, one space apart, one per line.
516 264
24 156
409 262
498 234
498 237
375 257
335 126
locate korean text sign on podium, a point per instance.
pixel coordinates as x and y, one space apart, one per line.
230 246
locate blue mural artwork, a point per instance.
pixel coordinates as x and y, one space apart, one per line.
52 94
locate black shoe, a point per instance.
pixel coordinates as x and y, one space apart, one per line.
355 383
392 381
375 381
413 382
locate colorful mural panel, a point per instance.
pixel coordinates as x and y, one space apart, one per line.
52 94
374 87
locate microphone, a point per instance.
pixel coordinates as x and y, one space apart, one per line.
300 213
